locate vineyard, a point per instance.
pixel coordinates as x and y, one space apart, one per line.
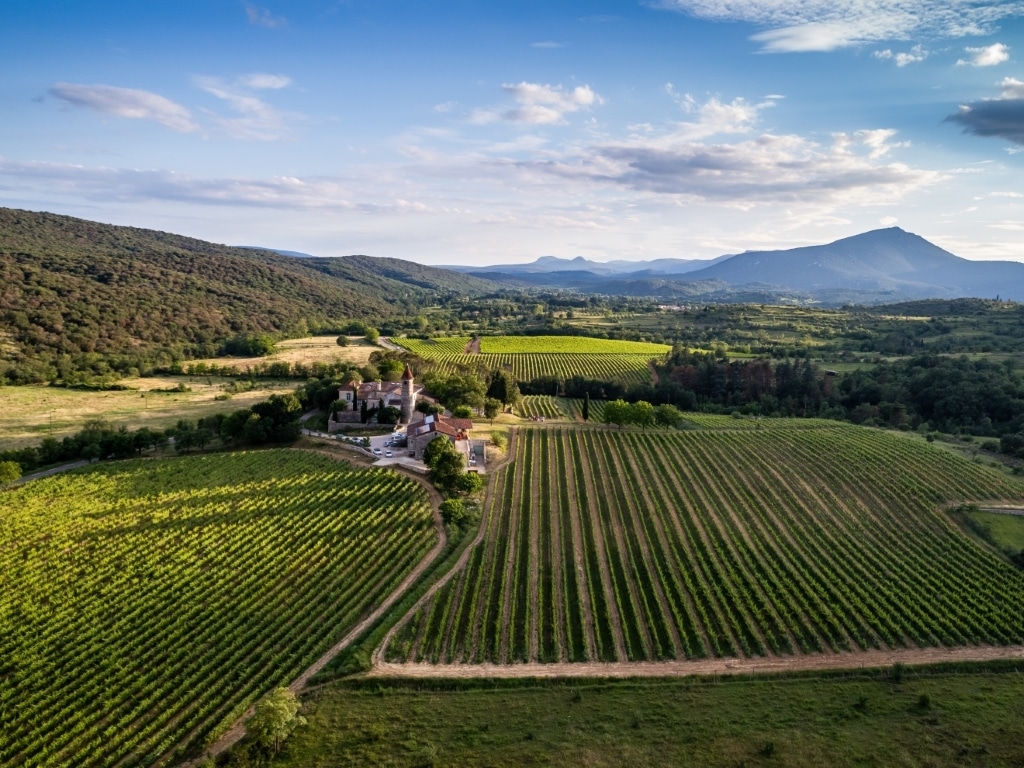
533 406
146 604
530 357
611 546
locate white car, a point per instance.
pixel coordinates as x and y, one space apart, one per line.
388 454
376 451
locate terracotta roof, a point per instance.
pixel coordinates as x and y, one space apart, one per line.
407 374
463 424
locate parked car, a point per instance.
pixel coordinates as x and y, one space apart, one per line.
388 454
377 451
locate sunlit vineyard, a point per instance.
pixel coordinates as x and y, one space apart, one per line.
616 546
532 406
530 357
574 345
145 604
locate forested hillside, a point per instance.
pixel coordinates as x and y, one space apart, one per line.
77 295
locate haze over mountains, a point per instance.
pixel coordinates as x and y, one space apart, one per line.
878 266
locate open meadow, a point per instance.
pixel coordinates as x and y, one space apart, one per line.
144 605
304 351
925 718
792 539
30 413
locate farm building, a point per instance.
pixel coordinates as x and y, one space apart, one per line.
420 433
380 394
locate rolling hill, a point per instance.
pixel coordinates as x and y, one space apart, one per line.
73 290
880 266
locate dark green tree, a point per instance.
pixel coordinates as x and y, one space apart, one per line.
586 406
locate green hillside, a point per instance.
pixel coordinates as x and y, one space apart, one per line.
73 291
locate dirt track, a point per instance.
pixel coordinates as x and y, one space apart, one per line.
729 666
234 734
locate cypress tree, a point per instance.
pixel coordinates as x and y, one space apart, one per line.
586 406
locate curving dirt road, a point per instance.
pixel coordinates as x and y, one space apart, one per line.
727 666
234 734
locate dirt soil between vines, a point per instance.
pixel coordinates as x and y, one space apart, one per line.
704 667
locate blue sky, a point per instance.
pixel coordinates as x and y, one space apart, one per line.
458 131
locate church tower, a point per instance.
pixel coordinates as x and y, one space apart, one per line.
408 395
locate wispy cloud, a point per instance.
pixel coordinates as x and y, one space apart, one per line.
1001 117
547 44
902 58
826 25
262 17
539 104
255 118
126 102
132 186
988 56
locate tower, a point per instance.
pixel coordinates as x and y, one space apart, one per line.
408 395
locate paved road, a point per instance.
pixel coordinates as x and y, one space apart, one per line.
53 471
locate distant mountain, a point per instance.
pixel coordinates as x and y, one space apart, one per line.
882 266
70 288
548 264
889 261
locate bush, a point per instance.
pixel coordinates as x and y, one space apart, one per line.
453 511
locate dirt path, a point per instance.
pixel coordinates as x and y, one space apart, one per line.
51 471
654 372
726 666
234 734
473 347
378 652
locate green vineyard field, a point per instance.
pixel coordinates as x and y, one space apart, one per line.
146 604
631 546
531 406
530 357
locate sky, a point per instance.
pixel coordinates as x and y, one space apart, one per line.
489 132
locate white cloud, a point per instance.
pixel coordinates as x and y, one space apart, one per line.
256 119
888 221
547 44
446 106
126 102
136 187
1000 117
261 17
989 56
765 169
825 25
539 104
902 58
258 81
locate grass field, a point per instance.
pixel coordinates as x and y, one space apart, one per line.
30 413
815 538
530 357
311 349
1007 531
937 720
145 604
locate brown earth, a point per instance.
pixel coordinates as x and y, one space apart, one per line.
724 666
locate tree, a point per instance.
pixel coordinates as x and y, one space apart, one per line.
463 411
9 472
491 408
617 412
275 718
641 413
448 467
453 511
388 415
343 341
502 386
364 414
372 334
428 408
586 406
667 415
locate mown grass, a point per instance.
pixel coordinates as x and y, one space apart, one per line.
31 413
935 720
1007 531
